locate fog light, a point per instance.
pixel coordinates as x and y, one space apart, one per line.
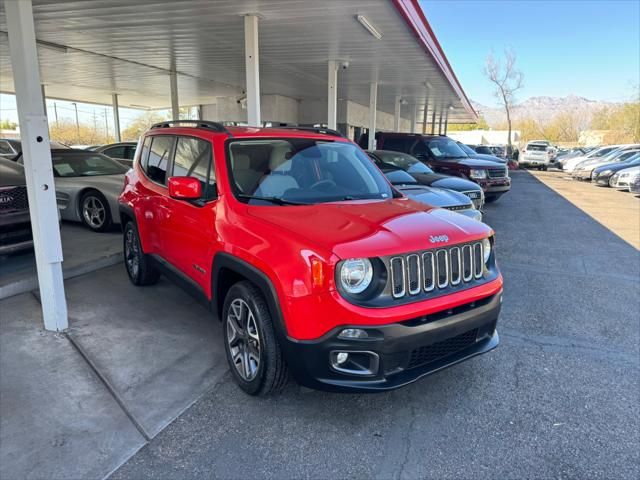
353 333
341 358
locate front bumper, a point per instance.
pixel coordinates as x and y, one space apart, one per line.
495 185
15 232
582 174
532 162
404 351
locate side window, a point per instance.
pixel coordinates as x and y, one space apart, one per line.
131 152
144 155
115 152
397 144
156 167
193 158
420 149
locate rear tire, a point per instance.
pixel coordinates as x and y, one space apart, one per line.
253 353
138 264
95 212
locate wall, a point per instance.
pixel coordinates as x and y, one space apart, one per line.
273 108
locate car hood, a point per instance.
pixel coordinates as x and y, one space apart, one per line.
630 170
371 228
11 173
473 162
437 197
489 158
446 181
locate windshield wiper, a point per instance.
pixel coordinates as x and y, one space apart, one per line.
276 200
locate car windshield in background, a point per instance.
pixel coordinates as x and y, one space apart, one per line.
444 148
303 171
400 177
484 150
84 164
402 161
532 147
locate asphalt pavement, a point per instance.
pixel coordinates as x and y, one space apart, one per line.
559 398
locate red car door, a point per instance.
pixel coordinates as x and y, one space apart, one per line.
188 233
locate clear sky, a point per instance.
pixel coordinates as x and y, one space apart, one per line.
583 47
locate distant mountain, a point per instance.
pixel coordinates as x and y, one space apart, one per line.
543 109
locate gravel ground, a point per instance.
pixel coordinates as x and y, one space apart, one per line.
559 398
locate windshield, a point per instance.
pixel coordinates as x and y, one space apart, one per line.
395 160
304 171
400 177
467 149
84 164
484 150
444 148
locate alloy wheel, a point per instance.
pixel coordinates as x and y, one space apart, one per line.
131 253
94 212
243 339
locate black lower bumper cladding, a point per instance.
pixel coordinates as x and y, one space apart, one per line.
405 351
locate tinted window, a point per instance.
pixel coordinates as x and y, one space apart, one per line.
116 152
398 144
402 161
89 164
444 148
144 155
193 159
131 152
156 167
399 177
304 170
483 150
5 149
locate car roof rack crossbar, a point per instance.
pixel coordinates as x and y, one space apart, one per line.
217 126
322 130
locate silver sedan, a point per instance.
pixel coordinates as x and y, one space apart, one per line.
87 187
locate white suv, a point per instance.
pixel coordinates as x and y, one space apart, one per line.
536 154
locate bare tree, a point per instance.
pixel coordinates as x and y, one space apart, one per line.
506 80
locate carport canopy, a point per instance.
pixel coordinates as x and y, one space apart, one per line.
163 53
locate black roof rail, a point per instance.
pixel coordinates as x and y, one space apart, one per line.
217 126
322 130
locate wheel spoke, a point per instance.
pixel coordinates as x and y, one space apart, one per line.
243 339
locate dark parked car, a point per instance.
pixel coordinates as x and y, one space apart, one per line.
481 156
15 224
11 148
433 196
603 174
445 156
123 152
388 161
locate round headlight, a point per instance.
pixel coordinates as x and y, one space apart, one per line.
486 249
356 275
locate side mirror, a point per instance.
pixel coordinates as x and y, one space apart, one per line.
185 188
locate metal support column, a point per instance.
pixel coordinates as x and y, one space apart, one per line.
252 63
373 105
36 152
440 123
446 121
414 118
433 121
44 100
332 95
425 115
175 104
396 114
116 116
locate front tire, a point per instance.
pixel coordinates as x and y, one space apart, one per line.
95 212
138 264
254 355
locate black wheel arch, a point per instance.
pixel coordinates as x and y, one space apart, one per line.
227 270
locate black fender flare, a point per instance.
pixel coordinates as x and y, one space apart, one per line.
225 261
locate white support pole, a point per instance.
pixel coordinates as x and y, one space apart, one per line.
252 69
116 116
373 105
414 118
396 114
44 100
425 114
446 121
433 120
440 123
36 152
332 95
175 104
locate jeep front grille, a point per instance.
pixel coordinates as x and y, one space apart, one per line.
435 269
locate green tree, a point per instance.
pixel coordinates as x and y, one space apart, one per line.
7 124
141 124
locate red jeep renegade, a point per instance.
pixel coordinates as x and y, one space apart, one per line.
314 263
